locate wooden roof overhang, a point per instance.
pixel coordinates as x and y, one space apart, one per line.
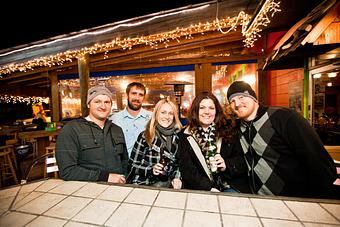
314 36
198 47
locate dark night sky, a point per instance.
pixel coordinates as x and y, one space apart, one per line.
29 21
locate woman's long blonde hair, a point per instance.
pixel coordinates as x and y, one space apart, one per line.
150 128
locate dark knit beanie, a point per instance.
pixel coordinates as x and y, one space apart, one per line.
240 88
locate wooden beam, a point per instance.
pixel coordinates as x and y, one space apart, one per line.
174 62
84 75
290 32
123 57
199 84
55 98
37 83
322 25
42 75
198 52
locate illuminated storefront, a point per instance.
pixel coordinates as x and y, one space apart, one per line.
326 106
157 83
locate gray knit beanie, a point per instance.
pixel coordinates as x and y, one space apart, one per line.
97 90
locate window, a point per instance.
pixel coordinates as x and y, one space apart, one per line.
226 73
157 84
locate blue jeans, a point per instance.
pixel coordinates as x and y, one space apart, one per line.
229 190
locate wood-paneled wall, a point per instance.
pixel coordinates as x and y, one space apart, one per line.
278 81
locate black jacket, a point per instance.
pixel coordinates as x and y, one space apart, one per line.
195 177
86 152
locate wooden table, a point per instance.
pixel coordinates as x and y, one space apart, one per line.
7 132
41 136
42 139
74 203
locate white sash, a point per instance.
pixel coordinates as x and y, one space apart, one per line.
199 154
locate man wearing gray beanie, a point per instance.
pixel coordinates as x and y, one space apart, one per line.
98 90
284 154
93 148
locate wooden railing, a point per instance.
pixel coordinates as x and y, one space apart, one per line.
334 152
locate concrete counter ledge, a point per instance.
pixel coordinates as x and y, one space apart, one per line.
56 202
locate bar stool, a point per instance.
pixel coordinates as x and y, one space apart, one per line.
13 140
34 144
7 169
50 148
50 161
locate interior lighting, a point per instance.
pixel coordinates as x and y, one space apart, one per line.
331 75
250 79
225 90
123 85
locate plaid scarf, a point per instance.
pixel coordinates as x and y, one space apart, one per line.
206 139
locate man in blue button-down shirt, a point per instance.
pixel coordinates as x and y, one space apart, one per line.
133 118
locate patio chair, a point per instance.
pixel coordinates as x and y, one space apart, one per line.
50 166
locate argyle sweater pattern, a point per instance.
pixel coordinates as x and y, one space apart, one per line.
285 156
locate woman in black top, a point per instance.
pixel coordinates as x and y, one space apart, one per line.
210 133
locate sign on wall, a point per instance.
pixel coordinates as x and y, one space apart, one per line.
295 94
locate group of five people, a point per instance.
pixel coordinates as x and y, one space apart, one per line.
252 149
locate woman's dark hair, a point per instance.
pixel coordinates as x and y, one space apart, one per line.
225 126
232 124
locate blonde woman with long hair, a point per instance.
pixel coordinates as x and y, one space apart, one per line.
153 159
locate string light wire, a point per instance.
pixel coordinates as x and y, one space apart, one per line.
250 32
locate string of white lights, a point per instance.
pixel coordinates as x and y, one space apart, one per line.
251 34
21 99
252 31
104 30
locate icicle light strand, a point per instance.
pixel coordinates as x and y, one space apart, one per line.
251 34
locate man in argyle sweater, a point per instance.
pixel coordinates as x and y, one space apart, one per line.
283 153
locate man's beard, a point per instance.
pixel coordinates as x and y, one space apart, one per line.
132 107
